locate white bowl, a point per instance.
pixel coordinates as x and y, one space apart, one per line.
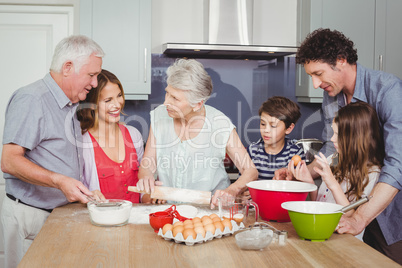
108 216
254 239
282 186
187 211
312 207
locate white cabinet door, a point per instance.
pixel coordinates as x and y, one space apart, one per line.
123 29
388 33
28 36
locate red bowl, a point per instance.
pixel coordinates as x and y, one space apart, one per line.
159 219
270 194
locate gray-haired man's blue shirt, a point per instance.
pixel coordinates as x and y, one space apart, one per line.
40 118
383 91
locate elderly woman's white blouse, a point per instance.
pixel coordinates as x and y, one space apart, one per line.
196 163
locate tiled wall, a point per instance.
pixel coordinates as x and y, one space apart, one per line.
240 87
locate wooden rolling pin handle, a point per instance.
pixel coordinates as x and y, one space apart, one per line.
135 189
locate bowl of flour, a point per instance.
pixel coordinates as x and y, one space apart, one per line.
110 212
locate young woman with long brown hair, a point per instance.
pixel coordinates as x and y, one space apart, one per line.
112 151
355 168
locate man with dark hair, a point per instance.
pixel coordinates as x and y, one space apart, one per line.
331 60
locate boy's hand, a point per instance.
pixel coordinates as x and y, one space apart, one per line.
283 174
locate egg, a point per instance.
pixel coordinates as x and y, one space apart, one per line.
227 223
238 218
210 228
296 159
205 217
213 215
207 221
177 224
189 232
198 224
219 225
226 216
177 230
188 226
196 219
166 228
216 219
200 230
187 222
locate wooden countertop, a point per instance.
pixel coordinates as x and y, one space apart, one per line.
68 239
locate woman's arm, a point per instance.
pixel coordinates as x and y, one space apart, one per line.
90 174
238 154
147 169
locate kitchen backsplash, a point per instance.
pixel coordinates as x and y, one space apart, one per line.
239 89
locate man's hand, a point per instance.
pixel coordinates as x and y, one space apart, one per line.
73 189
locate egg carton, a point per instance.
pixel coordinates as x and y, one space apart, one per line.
199 239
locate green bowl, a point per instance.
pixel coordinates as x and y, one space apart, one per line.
314 221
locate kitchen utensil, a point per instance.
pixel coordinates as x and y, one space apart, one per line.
235 208
177 194
279 236
313 220
270 194
160 218
256 237
104 203
310 147
115 215
355 204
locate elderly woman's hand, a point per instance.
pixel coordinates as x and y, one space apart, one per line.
218 193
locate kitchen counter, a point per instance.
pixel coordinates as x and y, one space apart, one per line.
68 239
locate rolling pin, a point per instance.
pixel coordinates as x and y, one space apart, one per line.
177 194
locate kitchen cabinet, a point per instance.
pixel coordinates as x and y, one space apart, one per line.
388 33
370 24
123 29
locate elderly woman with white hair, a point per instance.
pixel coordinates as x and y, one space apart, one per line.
189 140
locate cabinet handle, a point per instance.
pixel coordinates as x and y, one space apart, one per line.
145 65
380 63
